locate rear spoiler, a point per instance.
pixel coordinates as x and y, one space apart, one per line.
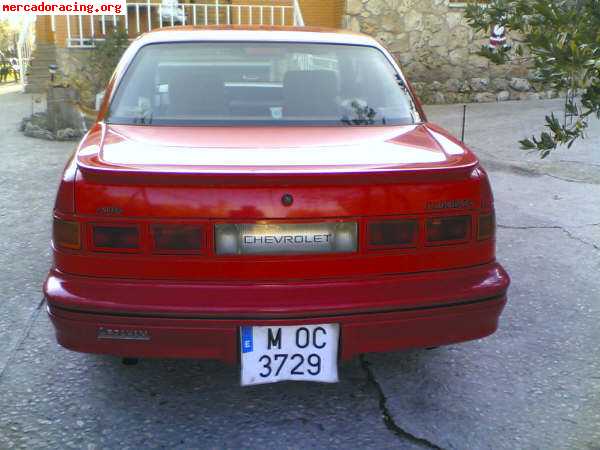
265 176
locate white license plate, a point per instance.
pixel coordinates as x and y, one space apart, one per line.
279 353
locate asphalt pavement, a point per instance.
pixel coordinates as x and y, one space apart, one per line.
535 384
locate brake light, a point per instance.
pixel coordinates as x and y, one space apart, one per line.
177 238
486 226
448 229
393 233
66 234
116 237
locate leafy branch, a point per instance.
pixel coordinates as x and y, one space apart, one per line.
563 39
91 78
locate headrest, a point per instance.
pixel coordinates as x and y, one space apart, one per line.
194 92
310 93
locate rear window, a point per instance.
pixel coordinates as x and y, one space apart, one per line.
215 83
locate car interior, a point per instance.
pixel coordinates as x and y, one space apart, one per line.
294 87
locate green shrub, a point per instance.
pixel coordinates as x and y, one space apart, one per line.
95 73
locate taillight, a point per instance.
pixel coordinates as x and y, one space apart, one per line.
66 234
487 197
448 229
393 233
177 238
486 226
116 237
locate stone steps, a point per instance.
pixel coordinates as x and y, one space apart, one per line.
47 54
38 76
43 64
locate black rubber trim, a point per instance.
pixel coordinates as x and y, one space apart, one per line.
283 317
298 281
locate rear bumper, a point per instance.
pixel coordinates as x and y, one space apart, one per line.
202 321
218 339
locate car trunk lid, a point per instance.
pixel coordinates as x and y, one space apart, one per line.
231 155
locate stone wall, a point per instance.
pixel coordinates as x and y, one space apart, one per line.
70 60
438 51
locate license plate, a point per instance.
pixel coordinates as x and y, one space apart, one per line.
280 353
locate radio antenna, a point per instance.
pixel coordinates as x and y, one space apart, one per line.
464 116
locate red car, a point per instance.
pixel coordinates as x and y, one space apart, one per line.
274 198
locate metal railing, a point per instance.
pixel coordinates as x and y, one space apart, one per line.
25 44
298 19
84 31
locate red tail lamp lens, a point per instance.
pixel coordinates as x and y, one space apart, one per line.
445 229
393 233
177 238
117 237
486 226
66 234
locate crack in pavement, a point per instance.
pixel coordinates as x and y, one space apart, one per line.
24 335
587 163
388 419
527 168
567 180
556 227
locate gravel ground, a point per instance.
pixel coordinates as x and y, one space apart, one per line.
534 385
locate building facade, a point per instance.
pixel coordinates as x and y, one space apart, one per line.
430 38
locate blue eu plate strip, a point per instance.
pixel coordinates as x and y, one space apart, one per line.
247 343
